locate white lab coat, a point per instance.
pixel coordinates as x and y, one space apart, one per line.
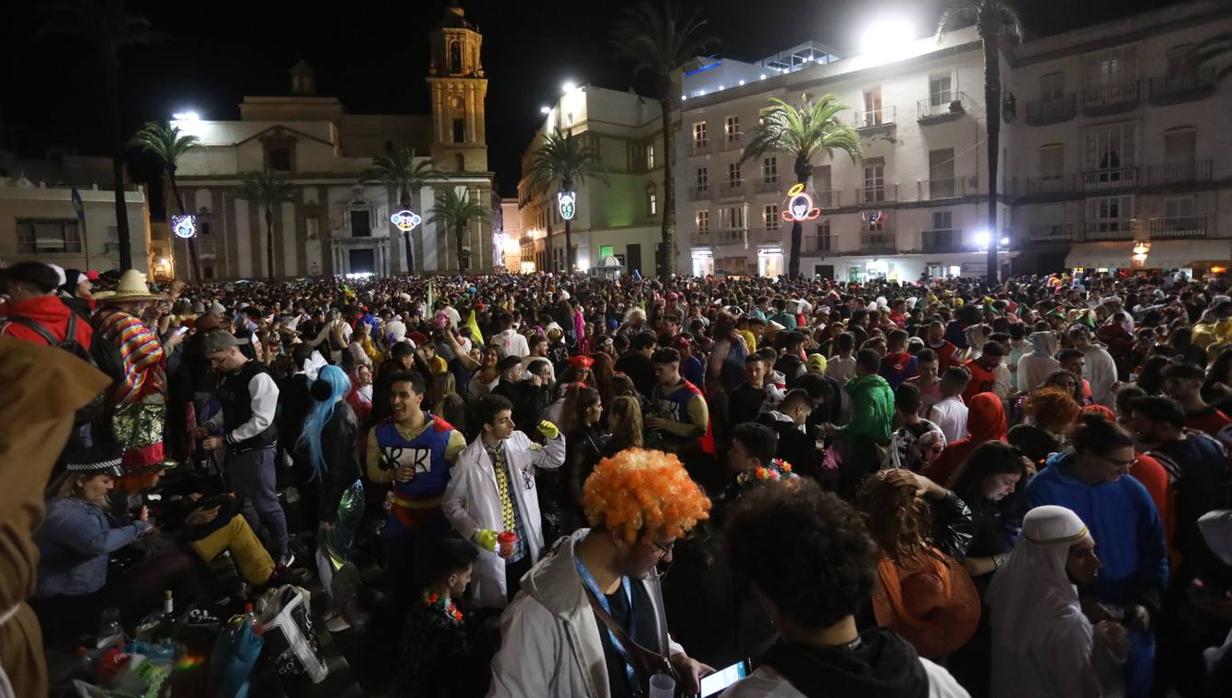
472 503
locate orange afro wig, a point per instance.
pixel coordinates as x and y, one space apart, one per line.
1052 408
643 493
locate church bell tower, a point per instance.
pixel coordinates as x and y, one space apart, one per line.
458 87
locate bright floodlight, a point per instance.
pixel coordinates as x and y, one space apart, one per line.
982 239
887 38
186 116
568 86
545 110
1005 242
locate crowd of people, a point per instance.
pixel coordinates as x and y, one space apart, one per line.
570 485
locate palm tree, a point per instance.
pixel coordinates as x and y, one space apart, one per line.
802 133
566 160
994 19
657 40
165 142
456 210
105 26
399 171
1217 51
266 189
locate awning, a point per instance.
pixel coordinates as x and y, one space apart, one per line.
1164 254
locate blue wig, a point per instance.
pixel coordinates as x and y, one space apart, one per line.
330 386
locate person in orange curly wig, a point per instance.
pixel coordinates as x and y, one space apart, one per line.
556 640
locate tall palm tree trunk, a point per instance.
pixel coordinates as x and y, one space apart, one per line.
460 235
568 247
112 66
193 257
992 106
269 241
667 265
797 228
404 201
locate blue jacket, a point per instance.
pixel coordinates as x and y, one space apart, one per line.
74 543
1122 519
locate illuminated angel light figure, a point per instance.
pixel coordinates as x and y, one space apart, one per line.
799 206
184 226
405 220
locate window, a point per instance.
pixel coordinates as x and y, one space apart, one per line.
731 128
650 157
455 57
702 220
204 228
943 220
770 216
700 138
361 223
761 115
1110 147
733 217
941 173
940 92
207 271
459 130
770 170
652 201
1110 213
733 174
1112 67
43 235
1052 87
874 221
1052 161
703 179
825 242
874 180
1178 206
1179 62
278 159
821 182
872 107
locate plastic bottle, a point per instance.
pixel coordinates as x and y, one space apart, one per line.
250 614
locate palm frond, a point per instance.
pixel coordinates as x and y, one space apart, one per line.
564 160
1000 14
803 133
104 24
656 39
164 141
265 188
1216 51
456 210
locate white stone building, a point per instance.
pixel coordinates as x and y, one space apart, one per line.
1108 139
618 218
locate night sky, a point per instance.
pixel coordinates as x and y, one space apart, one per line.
375 58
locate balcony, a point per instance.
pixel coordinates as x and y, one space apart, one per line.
1110 229
1184 86
828 198
699 148
729 190
1052 110
699 193
733 142
877 242
935 111
1052 185
941 240
941 188
1050 232
1178 227
1179 173
875 120
765 186
728 236
879 194
1116 178
764 235
1111 99
819 246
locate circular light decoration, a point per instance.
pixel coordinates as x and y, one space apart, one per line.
799 206
405 220
184 226
566 204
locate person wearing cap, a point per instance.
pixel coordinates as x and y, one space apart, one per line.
691 367
245 433
34 312
1043 645
75 540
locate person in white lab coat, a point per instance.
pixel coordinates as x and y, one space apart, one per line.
492 491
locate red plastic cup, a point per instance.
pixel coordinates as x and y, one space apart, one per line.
507 540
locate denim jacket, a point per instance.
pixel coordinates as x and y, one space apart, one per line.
74 541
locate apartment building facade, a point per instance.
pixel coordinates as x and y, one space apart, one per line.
1109 142
618 215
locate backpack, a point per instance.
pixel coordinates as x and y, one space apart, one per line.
69 343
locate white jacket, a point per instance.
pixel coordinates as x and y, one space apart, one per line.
550 645
767 683
472 503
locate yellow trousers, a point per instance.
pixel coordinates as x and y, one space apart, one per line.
250 556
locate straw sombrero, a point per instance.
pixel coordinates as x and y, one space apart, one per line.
132 287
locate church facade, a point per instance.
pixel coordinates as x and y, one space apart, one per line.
337 220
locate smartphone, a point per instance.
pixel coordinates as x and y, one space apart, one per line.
721 680
182 331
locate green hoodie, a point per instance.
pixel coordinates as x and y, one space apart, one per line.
872 408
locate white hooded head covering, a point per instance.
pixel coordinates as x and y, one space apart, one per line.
1032 592
1216 528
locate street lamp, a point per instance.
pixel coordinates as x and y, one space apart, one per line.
887 38
186 116
545 110
982 239
568 86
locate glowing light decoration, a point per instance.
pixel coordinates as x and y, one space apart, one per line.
799 206
566 204
873 217
1141 250
184 226
405 220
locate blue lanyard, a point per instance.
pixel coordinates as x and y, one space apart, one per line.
589 580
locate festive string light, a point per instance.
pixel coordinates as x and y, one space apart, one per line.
799 206
184 226
405 220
